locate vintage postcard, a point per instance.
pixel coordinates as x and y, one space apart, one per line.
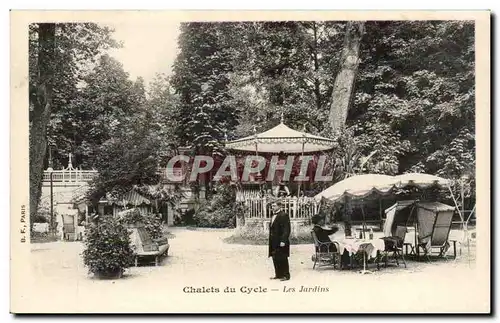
250 162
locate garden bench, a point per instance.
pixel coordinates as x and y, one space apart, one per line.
145 247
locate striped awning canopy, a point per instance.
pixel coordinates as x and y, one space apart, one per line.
130 198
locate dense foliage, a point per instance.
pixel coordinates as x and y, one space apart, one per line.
78 48
58 54
415 96
201 80
130 136
412 108
107 247
98 114
221 211
413 103
129 155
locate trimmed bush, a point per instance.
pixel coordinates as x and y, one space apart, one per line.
256 235
107 248
222 217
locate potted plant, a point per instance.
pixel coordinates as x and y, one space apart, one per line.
107 250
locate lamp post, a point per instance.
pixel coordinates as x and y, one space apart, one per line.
464 221
51 172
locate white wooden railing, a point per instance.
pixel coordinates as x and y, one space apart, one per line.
69 175
245 194
295 207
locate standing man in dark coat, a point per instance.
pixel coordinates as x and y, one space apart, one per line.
279 242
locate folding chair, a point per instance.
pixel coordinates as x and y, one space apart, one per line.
438 238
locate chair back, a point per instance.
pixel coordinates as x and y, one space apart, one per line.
441 230
315 238
425 220
318 246
400 234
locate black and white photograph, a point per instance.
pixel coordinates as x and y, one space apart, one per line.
252 162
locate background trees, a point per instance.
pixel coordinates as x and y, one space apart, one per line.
41 92
408 101
413 96
409 104
58 55
128 136
201 80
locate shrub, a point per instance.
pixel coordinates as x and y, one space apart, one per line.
221 211
42 237
251 235
186 218
256 235
302 235
107 247
223 217
43 214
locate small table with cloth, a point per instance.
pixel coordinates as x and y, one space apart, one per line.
352 246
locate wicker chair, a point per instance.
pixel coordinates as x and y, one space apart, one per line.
395 244
323 256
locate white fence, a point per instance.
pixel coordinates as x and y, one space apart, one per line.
69 176
296 208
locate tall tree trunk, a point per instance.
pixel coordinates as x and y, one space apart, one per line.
41 101
317 89
344 82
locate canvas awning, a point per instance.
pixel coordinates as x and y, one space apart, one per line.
398 213
421 180
282 139
436 206
358 186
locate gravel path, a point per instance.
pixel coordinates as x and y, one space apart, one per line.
200 259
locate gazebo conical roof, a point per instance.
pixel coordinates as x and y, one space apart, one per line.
282 139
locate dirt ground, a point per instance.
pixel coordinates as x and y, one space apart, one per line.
199 261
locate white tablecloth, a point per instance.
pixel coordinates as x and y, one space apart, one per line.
354 245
